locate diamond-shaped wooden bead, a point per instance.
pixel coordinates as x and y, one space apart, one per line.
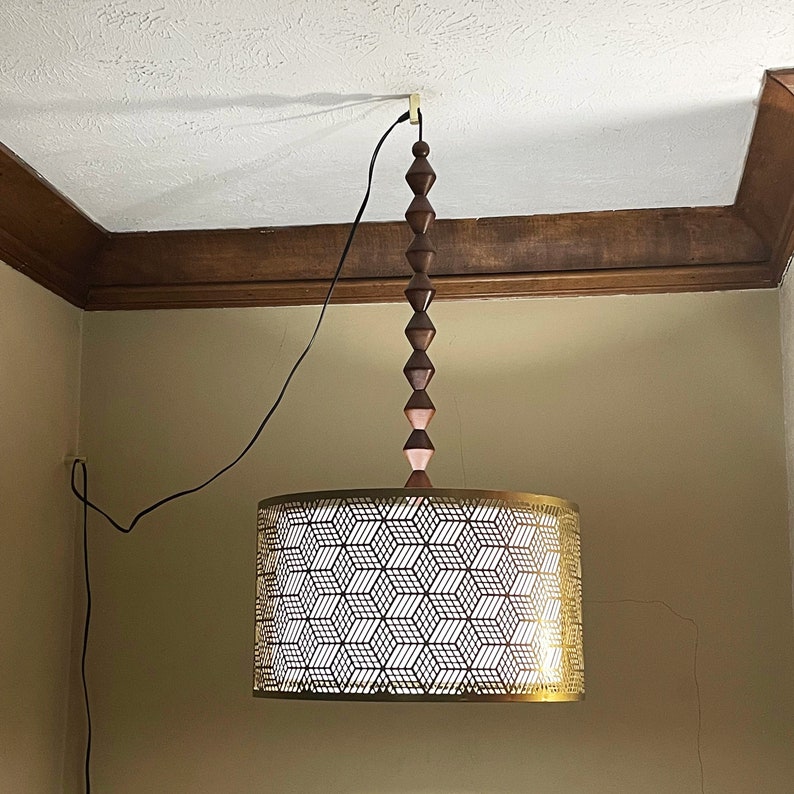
419 370
420 331
420 292
418 479
419 410
420 176
418 450
420 214
420 253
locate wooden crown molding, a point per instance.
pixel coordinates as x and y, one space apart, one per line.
766 193
744 246
42 234
573 254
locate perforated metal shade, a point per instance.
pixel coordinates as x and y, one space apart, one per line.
418 594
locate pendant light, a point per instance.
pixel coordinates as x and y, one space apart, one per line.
418 593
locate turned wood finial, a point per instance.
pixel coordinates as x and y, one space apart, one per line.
420 330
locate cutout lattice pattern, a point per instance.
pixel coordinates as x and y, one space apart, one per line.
410 593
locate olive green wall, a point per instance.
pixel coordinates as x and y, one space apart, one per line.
661 416
39 406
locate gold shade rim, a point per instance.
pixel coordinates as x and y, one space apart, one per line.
534 697
461 493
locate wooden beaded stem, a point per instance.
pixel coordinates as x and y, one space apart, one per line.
420 330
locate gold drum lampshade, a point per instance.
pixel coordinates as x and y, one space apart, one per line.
418 594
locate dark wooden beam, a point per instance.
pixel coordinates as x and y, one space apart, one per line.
609 281
514 255
766 193
43 234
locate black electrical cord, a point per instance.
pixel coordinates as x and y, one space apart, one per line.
87 623
83 495
292 372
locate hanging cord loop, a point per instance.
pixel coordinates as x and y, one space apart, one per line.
83 497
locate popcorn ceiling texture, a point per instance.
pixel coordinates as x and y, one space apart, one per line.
235 113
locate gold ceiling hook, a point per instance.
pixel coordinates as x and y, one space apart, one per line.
413 108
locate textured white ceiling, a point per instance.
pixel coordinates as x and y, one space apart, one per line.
236 113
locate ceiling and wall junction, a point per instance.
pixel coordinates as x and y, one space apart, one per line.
206 154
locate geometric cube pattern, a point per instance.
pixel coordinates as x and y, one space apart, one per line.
402 594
